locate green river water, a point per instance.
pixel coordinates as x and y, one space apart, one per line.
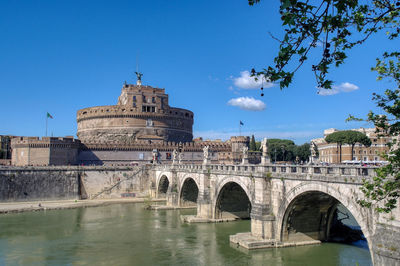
125 234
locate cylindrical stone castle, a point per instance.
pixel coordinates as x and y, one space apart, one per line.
142 113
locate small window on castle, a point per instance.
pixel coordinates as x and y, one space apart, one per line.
143 108
144 98
107 110
153 109
131 110
176 113
84 113
134 105
153 99
134 98
186 114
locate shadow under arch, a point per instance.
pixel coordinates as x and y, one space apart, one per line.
162 187
189 193
232 202
320 215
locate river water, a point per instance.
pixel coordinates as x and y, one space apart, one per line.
125 234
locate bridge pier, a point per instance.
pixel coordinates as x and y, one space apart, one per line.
262 233
172 193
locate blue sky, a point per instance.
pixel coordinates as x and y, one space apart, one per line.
61 56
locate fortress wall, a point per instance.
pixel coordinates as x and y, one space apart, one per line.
120 180
63 183
28 185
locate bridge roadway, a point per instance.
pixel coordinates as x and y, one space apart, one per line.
288 205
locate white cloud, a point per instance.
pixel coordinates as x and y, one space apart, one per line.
245 81
247 103
343 87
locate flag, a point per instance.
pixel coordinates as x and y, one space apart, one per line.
241 123
49 115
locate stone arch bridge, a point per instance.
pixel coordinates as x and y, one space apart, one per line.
288 204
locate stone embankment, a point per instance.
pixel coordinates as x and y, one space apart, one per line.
19 184
15 207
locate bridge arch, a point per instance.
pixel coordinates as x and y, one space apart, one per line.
163 182
323 199
188 192
233 199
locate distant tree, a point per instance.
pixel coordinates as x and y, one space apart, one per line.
281 149
303 152
339 138
348 137
252 146
354 137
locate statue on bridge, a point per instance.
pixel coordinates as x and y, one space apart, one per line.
313 150
206 156
245 157
264 158
174 156
180 158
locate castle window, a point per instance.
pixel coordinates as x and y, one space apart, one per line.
153 99
144 98
134 99
84 113
186 114
153 109
143 108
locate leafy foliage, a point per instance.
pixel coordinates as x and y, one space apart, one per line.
348 137
252 145
337 26
287 150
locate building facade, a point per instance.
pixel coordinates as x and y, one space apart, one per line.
330 152
142 113
140 129
45 151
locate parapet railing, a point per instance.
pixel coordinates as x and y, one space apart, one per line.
319 170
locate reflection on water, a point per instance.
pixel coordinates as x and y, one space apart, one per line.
125 234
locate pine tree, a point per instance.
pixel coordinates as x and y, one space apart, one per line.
252 144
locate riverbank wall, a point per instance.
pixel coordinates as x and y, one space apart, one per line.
71 182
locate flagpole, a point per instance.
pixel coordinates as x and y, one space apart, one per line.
46 123
240 129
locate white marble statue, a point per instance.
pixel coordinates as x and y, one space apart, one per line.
205 152
264 146
174 156
180 157
245 149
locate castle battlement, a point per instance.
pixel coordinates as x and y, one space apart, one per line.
142 113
